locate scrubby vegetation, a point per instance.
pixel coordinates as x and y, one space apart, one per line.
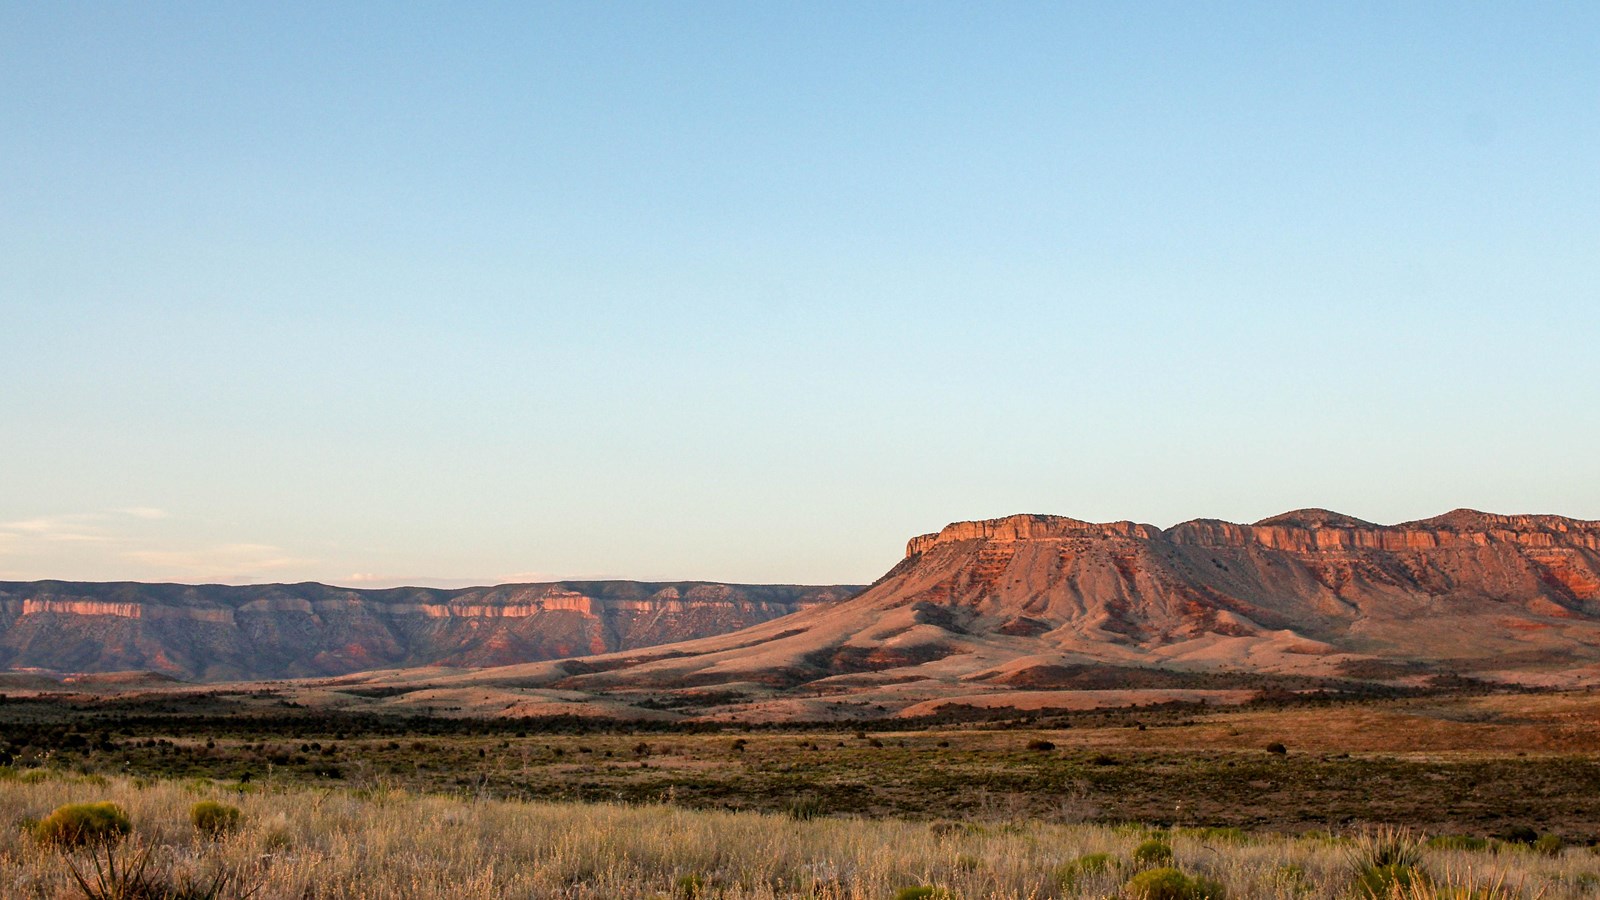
73 825
212 819
376 843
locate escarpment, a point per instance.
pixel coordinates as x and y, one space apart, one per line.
212 632
977 611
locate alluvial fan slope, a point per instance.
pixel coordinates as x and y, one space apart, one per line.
1019 610
215 632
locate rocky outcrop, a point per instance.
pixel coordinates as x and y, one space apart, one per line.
213 632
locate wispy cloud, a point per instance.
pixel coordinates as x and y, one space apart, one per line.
128 542
83 527
96 527
221 561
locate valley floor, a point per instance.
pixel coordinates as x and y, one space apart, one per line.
1476 765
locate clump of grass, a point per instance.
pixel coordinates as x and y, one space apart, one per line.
213 819
74 825
1387 863
1171 884
921 892
1153 853
804 808
690 886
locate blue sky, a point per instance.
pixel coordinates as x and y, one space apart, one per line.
399 293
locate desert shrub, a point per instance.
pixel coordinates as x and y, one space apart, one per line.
921 892
1277 748
1171 884
1153 852
214 819
1040 744
1549 844
1520 834
79 824
1069 874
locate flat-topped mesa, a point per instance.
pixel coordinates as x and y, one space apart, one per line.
1025 527
1299 531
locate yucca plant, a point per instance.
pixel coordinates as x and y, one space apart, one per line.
1387 863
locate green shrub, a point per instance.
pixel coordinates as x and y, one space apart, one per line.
79 824
1171 884
1069 874
691 886
921 892
1549 844
1153 852
214 819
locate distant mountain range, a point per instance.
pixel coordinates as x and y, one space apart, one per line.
1030 611
220 632
1022 612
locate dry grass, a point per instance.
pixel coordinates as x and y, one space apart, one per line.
302 843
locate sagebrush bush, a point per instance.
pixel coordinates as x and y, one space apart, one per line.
1549 844
1170 884
79 824
1069 874
213 819
1153 852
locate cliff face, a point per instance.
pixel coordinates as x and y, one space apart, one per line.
214 632
1464 585
1301 531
